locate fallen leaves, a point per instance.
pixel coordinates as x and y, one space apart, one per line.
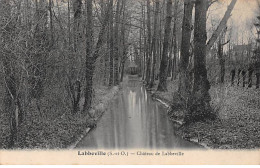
238 126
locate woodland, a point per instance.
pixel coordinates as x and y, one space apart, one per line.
63 60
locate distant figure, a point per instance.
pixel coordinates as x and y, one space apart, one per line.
250 73
257 80
257 74
238 76
233 74
244 77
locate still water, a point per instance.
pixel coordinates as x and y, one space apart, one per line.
134 120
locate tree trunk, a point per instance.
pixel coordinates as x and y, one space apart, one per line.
175 45
10 98
221 62
123 42
111 47
149 35
106 60
155 41
41 45
122 71
200 109
89 91
69 33
89 57
222 71
9 65
51 23
164 61
76 94
144 43
93 54
184 81
140 52
221 26
116 45
77 5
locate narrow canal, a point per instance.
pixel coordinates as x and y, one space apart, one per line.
134 120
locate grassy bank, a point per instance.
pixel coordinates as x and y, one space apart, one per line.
55 132
238 126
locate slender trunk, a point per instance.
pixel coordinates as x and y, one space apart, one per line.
51 23
221 62
76 96
38 69
170 64
10 98
122 71
149 34
9 65
140 53
184 81
175 44
106 60
111 47
116 44
68 33
77 6
145 44
123 42
164 62
221 26
160 40
155 49
222 70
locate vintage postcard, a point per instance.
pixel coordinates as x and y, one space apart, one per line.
165 82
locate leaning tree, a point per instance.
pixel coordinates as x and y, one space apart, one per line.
256 57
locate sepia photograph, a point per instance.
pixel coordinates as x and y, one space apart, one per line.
138 81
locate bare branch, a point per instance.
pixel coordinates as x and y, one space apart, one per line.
221 26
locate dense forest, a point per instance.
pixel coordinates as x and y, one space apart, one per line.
63 60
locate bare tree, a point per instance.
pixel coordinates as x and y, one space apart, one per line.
164 61
111 46
11 72
200 108
116 44
92 55
221 26
149 36
154 46
184 80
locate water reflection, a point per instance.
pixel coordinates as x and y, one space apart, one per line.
134 120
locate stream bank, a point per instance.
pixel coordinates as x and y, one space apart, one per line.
96 113
237 126
59 132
